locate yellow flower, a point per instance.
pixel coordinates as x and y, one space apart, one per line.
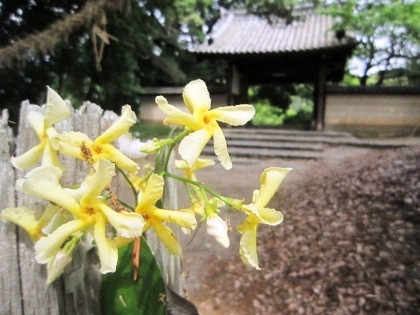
216 226
203 122
193 191
155 216
51 219
90 213
80 146
189 171
56 110
139 182
257 213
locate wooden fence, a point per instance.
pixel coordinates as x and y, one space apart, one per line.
23 288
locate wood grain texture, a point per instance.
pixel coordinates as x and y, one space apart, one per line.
10 301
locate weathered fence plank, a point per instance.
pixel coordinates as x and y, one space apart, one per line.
37 298
10 297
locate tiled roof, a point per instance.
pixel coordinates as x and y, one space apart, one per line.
241 33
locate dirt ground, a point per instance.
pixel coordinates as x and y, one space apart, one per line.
349 243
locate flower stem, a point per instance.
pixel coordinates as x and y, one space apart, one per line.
133 189
172 144
126 205
202 187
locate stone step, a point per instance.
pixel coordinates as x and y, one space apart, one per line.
280 145
267 153
257 143
307 137
321 137
283 132
271 143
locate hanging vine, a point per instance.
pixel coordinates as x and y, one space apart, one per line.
44 42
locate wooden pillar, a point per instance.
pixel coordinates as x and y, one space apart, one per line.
239 87
319 98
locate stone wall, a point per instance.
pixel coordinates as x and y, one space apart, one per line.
369 112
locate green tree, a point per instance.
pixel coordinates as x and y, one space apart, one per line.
387 32
40 45
106 51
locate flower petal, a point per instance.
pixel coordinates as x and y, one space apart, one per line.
201 163
191 146
181 164
48 215
220 148
108 252
119 241
24 217
56 221
100 179
196 96
168 238
152 193
218 228
109 152
29 158
56 109
248 243
36 119
197 206
47 247
182 218
50 157
120 127
43 182
127 224
270 180
270 216
56 266
234 115
70 143
177 116
78 192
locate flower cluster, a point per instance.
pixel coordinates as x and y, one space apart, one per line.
90 213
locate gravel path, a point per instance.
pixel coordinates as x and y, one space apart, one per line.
349 243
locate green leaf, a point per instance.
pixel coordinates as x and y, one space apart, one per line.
121 295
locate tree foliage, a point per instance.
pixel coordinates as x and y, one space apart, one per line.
388 35
106 51
106 59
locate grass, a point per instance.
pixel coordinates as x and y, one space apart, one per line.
150 131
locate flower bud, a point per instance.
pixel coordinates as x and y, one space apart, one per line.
151 147
218 228
63 257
